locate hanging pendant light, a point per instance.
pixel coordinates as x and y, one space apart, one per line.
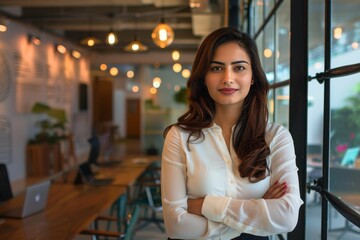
111 37
136 45
163 35
90 40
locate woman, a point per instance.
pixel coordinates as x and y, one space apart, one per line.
226 171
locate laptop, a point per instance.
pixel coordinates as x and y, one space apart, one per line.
88 176
35 201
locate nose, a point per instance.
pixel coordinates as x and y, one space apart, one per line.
228 77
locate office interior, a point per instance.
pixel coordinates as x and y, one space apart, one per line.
124 96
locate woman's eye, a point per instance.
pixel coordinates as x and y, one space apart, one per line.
239 68
215 68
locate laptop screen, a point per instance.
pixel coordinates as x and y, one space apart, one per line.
36 198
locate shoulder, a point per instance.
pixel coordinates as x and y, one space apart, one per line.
276 132
176 132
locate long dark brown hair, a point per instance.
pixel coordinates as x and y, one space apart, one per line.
249 134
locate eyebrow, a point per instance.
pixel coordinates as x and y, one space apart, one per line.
232 63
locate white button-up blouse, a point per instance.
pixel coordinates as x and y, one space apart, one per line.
232 204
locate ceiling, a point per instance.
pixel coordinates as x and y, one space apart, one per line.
77 19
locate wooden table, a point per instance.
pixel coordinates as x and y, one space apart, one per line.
124 174
70 209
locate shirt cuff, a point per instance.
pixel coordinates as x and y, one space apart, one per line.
214 207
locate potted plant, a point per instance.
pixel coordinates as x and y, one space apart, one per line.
52 129
44 154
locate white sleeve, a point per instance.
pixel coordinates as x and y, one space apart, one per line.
260 216
178 222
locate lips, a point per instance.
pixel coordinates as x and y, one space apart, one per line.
228 91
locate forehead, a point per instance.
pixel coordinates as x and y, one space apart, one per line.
230 51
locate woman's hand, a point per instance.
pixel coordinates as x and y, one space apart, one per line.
195 205
276 191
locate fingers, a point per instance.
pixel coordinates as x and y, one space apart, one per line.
277 190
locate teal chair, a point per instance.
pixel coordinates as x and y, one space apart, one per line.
148 197
119 209
126 234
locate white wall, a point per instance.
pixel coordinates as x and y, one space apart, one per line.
38 73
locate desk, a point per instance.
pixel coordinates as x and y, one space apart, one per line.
125 174
125 177
70 209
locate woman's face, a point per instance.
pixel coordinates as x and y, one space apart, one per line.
229 76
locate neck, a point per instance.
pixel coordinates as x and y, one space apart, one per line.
226 117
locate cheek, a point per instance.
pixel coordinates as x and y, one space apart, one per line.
246 81
210 83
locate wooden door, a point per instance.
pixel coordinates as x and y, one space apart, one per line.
133 118
102 102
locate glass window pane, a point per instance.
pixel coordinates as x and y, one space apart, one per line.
315 116
260 45
258 14
345 111
282 106
267 54
269 5
282 52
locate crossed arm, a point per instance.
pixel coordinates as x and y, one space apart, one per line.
277 190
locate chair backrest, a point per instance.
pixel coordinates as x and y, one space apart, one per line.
132 220
350 156
153 195
5 187
95 149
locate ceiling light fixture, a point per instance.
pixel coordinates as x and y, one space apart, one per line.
177 67
90 40
76 54
61 48
34 39
111 37
175 55
162 35
136 45
3 26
